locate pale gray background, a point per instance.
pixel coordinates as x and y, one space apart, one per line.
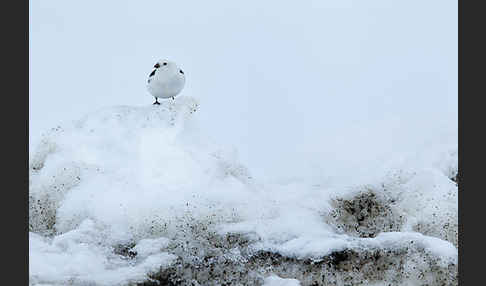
299 88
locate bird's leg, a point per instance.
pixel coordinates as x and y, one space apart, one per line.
157 101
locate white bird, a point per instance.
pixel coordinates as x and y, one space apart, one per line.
166 80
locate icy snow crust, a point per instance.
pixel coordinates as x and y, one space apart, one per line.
277 281
137 195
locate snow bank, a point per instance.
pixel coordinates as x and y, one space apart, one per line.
138 194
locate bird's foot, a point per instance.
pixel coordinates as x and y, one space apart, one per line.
156 103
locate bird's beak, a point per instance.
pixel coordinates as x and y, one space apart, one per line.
157 66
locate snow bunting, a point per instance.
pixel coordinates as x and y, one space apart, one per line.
166 80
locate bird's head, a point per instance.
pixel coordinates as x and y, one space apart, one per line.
167 67
163 63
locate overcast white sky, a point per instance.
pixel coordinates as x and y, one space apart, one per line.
295 86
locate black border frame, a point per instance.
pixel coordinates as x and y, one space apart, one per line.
14 118
471 202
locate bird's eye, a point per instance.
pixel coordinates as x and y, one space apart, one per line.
181 71
165 64
157 66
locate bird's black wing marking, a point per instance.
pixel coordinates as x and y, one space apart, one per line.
152 73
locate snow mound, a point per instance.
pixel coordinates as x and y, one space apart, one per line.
130 195
132 169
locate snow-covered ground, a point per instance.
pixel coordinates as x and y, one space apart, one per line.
128 195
